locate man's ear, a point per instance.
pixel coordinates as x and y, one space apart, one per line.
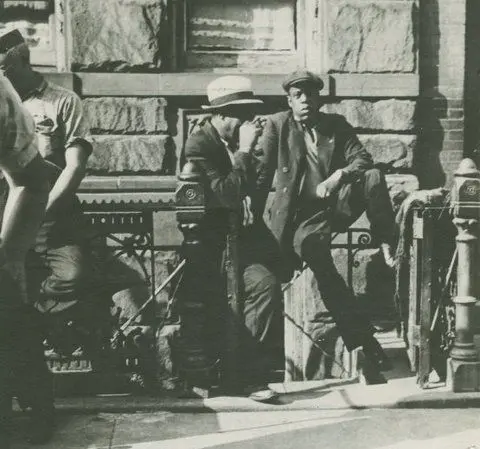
289 101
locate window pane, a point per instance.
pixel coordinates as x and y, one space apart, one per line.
241 25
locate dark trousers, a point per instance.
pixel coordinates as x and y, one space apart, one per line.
23 371
314 225
57 274
261 331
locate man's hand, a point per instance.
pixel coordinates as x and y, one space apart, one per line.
247 211
328 187
248 135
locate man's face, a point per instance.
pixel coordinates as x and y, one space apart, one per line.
11 66
234 117
304 100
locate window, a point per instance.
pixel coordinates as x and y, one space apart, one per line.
242 35
35 20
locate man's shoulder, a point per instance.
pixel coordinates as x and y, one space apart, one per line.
200 138
279 118
54 92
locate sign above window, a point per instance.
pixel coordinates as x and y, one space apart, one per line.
241 35
267 25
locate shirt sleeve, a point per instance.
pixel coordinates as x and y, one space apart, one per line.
18 146
77 130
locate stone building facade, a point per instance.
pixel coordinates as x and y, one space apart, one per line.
403 72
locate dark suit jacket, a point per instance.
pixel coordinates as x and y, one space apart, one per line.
227 185
284 153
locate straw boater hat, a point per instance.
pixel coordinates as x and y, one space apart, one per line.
230 90
10 40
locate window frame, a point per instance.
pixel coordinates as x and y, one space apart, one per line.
268 61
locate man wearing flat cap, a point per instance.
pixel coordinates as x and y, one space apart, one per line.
222 146
21 347
58 264
324 181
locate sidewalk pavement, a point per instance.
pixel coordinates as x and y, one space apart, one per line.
107 421
310 395
400 391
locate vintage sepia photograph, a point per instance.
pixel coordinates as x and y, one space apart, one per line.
239 224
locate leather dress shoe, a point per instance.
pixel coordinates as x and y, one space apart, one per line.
260 393
375 355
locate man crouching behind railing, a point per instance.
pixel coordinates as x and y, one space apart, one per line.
222 147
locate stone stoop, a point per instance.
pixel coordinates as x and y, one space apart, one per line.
395 348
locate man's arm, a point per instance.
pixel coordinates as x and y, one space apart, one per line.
229 190
25 207
266 164
77 151
24 212
70 177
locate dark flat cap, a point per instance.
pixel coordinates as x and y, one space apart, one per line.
10 40
302 77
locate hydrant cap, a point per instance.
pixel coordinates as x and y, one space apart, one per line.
467 169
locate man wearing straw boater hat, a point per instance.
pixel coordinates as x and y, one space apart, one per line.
21 347
223 147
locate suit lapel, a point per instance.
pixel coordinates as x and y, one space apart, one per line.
326 143
325 147
296 142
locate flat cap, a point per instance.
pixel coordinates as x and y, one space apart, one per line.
10 40
302 77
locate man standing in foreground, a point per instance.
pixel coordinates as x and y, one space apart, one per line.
325 180
21 348
62 131
222 146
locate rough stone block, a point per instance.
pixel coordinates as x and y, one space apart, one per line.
392 150
118 35
131 154
388 115
371 36
126 115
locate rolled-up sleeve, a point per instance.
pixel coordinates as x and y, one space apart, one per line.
77 129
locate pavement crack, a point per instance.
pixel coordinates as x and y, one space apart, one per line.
110 442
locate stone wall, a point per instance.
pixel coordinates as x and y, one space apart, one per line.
373 36
119 35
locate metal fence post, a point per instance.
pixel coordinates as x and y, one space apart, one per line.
464 364
193 359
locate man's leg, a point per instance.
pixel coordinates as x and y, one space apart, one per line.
68 268
351 320
6 390
380 212
378 206
33 380
263 337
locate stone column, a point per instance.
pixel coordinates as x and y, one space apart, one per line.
464 365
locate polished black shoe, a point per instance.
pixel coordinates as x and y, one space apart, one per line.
375 355
42 425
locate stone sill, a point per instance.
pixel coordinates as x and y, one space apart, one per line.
384 85
158 192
